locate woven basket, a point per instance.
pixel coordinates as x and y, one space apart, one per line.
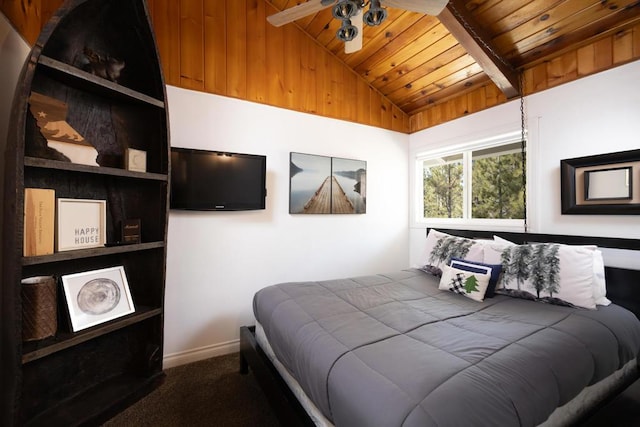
39 308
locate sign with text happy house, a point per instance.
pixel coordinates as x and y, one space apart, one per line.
81 224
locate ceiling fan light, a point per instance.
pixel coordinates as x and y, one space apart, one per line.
344 9
347 31
375 16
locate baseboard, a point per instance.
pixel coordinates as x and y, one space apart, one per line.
196 354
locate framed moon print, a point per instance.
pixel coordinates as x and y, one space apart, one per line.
95 297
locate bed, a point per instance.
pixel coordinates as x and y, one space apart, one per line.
399 349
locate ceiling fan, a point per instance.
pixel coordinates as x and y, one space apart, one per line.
352 15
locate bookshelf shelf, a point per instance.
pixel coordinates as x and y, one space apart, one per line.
87 376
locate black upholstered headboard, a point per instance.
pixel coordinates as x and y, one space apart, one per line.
623 284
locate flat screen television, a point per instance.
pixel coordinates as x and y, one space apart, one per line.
206 180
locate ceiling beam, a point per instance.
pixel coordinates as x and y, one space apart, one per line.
478 45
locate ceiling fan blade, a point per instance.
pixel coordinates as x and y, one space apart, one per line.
355 44
428 7
297 12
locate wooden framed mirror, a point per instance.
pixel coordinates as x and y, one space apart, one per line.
601 184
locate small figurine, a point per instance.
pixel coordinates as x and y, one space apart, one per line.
106 67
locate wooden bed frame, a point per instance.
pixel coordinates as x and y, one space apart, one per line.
623 288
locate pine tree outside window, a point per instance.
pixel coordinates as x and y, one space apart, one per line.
443 187
478 184
497 183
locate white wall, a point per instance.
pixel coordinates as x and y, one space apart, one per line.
218 260
594 115
13 52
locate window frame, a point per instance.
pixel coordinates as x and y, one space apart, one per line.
466 149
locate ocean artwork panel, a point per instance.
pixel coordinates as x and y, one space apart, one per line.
327 185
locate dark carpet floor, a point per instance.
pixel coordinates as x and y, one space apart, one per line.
207 393
623 411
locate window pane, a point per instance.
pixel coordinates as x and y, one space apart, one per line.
497 188
443 187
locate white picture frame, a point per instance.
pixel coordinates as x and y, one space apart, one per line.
136 160
98 296
81 223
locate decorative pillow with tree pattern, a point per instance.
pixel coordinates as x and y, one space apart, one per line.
441 247
547 272
467 283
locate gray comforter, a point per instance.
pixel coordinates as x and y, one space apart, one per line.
393 350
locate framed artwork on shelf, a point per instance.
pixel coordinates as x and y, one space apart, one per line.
602 184
136 160
81 224
98 296
327 185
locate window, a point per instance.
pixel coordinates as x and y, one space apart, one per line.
443 189
496 184
483 181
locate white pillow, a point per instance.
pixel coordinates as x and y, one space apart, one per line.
470 284
547 271
441 247
599 283
504 242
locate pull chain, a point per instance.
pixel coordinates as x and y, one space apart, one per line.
523 147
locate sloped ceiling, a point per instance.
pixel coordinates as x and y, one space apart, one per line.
413 71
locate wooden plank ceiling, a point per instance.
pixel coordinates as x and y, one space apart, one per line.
413 71
417 60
